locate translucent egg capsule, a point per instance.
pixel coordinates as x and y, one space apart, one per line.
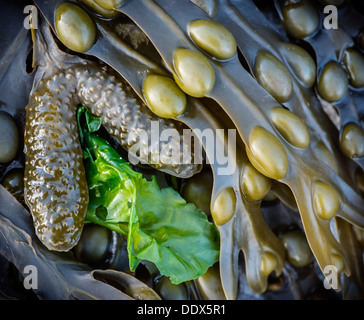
273 76
291 127
352 141
194 73
213 38
326 200
333 83
74 27
267 154
163 96
254 185
224 205
300 19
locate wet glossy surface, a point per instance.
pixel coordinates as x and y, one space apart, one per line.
194 73
94 245
298 251
55 186
352 141
254 185
301 19
268 263
74 27
333 82
325 200
291 127
210 286
213 38
248 105
55 191
354 62
169 291
224 206
301 62
163 96
273 76
267 154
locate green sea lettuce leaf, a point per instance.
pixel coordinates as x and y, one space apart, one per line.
160 226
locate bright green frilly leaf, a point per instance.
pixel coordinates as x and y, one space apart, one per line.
159 225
